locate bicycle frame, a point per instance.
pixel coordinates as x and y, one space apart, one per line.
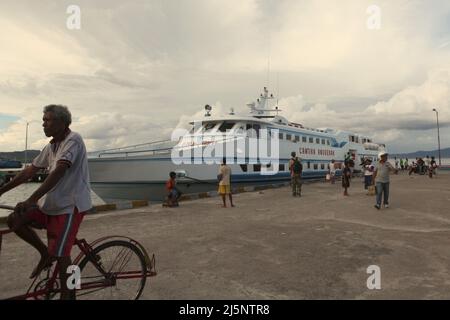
86 250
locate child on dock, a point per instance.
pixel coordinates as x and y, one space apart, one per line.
174 193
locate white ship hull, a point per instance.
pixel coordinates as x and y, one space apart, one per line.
140 172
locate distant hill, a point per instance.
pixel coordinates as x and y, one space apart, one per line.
20 155
445 153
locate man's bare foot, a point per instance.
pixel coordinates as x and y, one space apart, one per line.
44 263
232 205
224 206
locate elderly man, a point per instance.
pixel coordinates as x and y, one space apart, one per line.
381 179
61 201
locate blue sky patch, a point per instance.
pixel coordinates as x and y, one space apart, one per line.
6 120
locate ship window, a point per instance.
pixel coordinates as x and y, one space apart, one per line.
328 142
303 138
311 140
323 141
357 139
288 137
208 126
309 165
281 167
280 136
297 139
317 140
226 126
244 167
256 168
316 166
322 166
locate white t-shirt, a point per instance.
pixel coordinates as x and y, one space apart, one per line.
73 190
332 168
225 171
368 169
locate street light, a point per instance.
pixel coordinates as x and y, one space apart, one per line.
439 139
26 144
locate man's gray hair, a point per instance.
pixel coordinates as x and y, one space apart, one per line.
61 112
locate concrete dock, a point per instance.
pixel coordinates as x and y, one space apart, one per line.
275 246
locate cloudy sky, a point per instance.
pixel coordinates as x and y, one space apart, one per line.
137 69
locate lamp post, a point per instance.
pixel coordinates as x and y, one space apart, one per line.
439 138
26 144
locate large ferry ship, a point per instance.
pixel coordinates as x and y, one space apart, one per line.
139 172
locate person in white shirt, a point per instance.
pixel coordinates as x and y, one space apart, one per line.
332 172
60 202
225 182
368 173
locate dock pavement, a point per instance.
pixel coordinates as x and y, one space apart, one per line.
276 246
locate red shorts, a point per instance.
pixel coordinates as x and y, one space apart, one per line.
61 230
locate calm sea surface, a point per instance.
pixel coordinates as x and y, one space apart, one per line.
25 190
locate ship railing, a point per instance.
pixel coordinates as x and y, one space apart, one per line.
151 148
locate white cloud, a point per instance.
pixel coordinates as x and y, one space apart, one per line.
154 61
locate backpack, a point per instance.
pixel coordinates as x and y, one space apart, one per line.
297 166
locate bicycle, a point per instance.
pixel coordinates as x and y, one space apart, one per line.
101 270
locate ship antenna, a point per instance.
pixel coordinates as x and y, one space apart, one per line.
268 62
278 87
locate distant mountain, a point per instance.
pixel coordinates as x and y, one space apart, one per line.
20 155
445 153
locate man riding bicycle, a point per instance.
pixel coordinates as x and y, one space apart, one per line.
59 204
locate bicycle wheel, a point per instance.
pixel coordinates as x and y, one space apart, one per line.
122 276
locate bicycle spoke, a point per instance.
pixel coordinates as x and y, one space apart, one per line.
125 271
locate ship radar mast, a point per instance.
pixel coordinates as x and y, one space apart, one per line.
261 108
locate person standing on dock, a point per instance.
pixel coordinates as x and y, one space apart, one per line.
296 169
346 177
224 182
332 171
381 179
61 201
368 173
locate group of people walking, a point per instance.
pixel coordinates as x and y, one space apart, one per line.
374 176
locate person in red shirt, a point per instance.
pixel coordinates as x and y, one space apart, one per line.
174 193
